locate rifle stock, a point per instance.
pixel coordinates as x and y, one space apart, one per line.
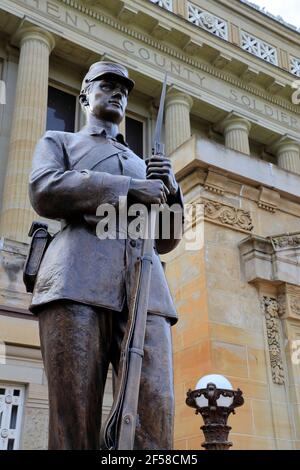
136 353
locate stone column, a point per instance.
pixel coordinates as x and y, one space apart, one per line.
236 131
177 121
287 151
28 124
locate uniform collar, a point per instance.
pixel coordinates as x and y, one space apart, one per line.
95 130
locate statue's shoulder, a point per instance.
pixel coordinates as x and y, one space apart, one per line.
57 135
60 136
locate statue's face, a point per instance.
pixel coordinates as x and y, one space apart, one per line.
107 100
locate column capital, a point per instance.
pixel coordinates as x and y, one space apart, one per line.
285 144
234 121
27 33
177 119
287 151
179 97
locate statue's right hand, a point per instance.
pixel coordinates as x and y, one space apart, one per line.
148 191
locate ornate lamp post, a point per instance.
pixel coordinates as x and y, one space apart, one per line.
214 398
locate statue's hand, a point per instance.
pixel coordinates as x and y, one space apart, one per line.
148 191
160 167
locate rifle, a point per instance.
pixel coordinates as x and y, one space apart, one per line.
119 430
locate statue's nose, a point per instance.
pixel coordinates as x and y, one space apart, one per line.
117 94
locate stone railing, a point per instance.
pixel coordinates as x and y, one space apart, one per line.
167 4
220 27
207 21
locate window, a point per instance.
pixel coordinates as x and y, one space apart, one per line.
135 135
61 110
11 410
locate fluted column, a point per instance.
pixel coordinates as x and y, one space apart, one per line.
288 155
236 132
28 124
177 122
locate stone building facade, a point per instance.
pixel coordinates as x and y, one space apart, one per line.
231 128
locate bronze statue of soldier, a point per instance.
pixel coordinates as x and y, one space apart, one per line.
84 283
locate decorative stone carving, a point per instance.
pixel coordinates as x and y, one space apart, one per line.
286 241
167 4
12 259
227 215
295 66
295 305
289 302
207 21
270 309
259 48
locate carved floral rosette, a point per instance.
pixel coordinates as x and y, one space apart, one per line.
270 308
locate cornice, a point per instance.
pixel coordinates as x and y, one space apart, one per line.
171 52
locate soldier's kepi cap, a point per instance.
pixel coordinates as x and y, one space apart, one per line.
107 70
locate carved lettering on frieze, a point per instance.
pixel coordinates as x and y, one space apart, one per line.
227 215
271 311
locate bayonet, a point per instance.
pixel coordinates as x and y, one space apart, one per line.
158 147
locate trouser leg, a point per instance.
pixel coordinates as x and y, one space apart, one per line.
156 399
75 341
155 418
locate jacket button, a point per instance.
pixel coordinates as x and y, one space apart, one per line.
133 243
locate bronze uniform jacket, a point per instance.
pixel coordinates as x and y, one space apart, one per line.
72 174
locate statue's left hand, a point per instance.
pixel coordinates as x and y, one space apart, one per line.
160 167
